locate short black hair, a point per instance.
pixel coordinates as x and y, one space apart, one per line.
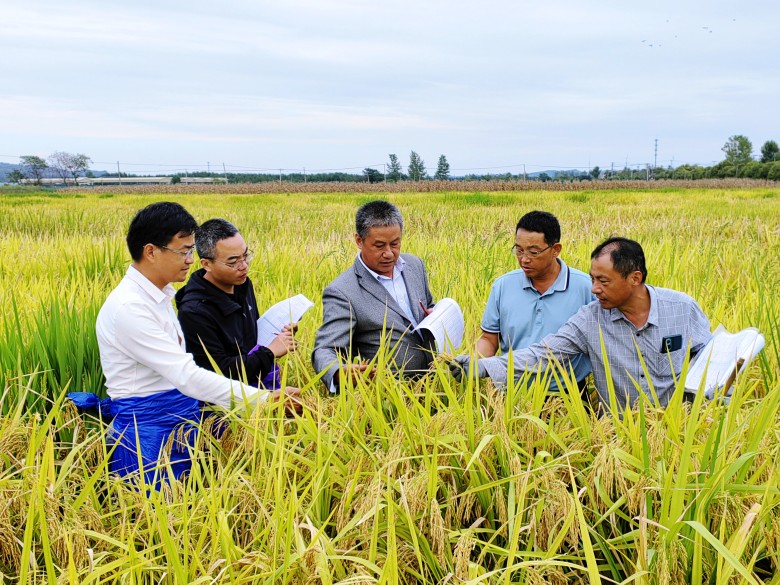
209 233
158 224
541 222
377 214
627 256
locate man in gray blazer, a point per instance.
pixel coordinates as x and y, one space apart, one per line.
375 303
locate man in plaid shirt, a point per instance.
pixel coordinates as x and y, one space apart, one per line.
631 317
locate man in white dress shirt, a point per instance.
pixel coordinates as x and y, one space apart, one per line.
154 385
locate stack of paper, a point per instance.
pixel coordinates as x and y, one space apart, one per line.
446 324
717 362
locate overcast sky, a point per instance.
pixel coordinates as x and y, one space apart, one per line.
332 84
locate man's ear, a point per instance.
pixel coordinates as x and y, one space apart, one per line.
557 248
149 252
636 278
359 241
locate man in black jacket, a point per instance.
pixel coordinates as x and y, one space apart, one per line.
218 310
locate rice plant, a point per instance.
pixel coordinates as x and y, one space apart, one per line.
395 482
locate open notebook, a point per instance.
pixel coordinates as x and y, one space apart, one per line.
722 359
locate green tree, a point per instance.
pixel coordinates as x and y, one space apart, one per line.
738 149
394 169
15 176
69 166
595 172
770 152
774 172
34 167
750 170
416 170
442 169
373 175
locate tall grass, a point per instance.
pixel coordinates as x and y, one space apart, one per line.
391 482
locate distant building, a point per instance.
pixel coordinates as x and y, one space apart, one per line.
107 181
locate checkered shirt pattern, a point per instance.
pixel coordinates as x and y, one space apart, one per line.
671 313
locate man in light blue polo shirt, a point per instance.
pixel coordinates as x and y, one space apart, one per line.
639 337
526 304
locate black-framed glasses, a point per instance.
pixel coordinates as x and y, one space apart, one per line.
530 253
234 264
186 253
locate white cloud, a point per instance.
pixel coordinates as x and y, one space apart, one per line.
329 80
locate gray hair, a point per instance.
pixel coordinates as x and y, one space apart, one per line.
209 233
377 214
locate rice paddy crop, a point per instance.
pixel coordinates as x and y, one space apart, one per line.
393 482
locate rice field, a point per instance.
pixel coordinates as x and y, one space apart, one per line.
435 482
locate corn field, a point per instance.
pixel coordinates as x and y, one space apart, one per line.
395 482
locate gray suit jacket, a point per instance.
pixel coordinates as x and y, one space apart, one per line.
356 309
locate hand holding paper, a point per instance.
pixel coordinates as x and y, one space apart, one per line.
283 314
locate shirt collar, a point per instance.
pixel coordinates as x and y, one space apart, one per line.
400 263
158 296
561 281
652 315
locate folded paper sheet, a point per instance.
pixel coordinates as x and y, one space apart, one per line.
285 312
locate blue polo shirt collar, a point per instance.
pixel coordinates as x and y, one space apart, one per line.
561 282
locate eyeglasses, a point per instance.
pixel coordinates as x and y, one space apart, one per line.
234 264
186 253
530 253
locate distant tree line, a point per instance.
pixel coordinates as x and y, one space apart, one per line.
738 162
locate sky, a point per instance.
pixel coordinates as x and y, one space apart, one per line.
495 86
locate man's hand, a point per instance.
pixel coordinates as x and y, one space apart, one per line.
285 341
355 371
425 311
291 397
460 367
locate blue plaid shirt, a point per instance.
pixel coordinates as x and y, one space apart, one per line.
671 314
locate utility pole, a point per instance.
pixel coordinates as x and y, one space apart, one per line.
280 176
224 172
208 167
525 177
118 173
384 171
655 159
304 174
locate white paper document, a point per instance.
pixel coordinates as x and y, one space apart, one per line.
285 312
446 324
720 357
